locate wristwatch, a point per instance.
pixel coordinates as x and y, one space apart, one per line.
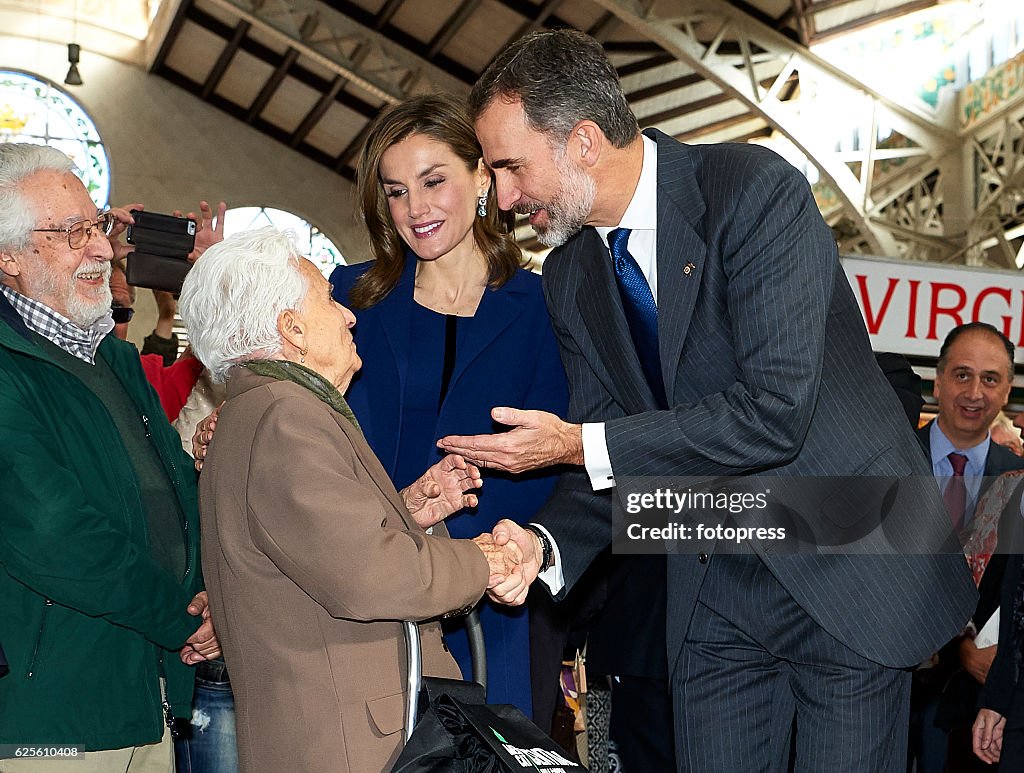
547 557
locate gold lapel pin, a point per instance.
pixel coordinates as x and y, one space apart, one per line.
688 269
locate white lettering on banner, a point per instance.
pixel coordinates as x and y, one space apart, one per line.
909 307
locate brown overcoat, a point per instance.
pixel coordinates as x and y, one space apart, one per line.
311 560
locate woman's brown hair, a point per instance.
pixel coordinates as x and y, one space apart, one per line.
441 118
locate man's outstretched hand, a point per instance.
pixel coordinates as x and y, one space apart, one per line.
537 439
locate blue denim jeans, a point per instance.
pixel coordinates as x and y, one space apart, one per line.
210 745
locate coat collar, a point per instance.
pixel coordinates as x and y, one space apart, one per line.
497 312
241 380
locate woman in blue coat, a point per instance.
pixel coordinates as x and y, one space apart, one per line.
448 326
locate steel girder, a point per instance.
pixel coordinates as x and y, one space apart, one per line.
889 197
996 161
365 57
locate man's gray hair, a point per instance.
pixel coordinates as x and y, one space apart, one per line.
18 161
234 294
561 77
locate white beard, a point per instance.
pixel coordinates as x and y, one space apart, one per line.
568 209
81 311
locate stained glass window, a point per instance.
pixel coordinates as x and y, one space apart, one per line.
35 110
310 240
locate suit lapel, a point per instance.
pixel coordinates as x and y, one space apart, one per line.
601 308
681 253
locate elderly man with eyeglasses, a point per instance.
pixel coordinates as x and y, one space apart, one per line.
101 607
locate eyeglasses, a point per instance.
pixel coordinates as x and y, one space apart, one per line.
80 233
121 314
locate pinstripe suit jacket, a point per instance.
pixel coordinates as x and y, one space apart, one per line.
768 369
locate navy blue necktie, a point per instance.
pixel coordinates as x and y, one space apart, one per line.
641 311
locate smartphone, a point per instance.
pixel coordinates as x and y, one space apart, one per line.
162 245
164 235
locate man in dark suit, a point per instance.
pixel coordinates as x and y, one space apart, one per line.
762 365
972 384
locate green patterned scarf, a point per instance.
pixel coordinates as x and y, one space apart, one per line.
283 370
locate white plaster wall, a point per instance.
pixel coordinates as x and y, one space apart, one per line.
169 149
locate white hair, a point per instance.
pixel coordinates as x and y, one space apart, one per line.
18 161
233 295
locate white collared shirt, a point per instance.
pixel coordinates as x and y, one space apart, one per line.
641 217
58 329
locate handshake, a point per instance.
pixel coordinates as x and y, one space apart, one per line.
513 555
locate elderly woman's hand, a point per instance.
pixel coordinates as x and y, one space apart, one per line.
441 490
202 437
502 560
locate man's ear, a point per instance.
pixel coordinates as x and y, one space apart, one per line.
292 328
9 263
586 141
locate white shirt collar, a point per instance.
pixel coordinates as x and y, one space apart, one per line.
642 212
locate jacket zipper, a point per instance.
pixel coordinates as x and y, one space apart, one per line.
39 640
175 480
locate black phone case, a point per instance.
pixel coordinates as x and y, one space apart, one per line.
157 272
163 235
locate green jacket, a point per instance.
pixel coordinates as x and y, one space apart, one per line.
85 613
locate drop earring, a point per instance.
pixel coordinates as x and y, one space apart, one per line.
481 205
302 355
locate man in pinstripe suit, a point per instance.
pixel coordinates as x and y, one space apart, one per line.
762 366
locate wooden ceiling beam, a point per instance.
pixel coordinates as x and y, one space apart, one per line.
343 161
711 101
172 35
658 89
544 12
386 13
274 59
271 86
224 60
634 68
714 126
404 39
452 25
317 112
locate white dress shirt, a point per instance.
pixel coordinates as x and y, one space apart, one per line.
641 217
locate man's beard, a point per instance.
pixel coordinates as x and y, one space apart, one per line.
82 311
569 208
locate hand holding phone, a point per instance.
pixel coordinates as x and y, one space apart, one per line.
162 245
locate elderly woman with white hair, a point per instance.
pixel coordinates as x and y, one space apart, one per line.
310 555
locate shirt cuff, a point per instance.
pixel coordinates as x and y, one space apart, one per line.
553 577
595 457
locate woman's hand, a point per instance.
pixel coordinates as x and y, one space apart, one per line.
502 560
203 435
440 491
203 644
